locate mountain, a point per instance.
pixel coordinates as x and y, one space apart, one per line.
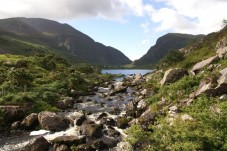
34 35
164 44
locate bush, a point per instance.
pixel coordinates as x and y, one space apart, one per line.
20 77
171 58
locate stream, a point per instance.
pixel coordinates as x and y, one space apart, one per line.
94 107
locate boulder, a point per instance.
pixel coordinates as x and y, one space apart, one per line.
223 78
138 78
146 119
53 122
69 140
214 89
172 75
110 141
206 88
91 129
31 121
37 144
15 125
13 113
119 87
204 63
221 47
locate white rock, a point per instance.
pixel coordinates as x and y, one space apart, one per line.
186 117
223 97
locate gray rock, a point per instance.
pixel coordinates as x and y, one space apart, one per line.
111 133
31 121
186 117
223 97
91 129
146 119
13 113
108 121
204 63
53 122
123 146
173 109
62 148
37 144
119 87
69 140
172 75
221 47
84 147
214 89
15 125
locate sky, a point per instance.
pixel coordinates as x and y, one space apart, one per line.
131 26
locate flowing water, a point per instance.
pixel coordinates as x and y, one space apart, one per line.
95 105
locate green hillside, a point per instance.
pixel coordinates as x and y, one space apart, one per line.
37 35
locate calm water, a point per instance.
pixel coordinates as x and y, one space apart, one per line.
126 71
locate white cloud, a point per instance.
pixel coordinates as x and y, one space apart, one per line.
69 9
191 16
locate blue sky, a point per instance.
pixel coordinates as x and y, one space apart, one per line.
132 26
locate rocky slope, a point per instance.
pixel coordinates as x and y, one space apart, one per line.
188 106
165 44
34 35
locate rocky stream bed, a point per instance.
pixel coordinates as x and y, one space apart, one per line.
95 122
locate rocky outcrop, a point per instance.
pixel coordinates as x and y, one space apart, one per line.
53 122
221 47
172 75
214 88
38 144
202 64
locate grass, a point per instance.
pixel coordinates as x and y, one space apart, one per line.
43 80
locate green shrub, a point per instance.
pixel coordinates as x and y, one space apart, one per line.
20 77
136 134
50 97
43 106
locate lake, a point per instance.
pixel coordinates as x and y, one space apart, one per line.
126 71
